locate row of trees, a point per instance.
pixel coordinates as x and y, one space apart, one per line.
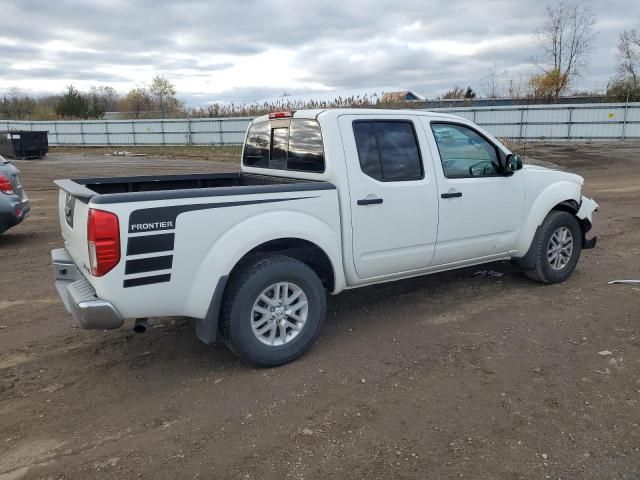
156 99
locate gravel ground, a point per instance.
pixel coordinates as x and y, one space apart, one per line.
478 373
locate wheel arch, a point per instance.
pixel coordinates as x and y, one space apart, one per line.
302 250
564 196
527 261
301 235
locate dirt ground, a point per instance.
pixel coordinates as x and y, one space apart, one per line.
478 373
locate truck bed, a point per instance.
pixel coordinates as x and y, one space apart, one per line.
124 189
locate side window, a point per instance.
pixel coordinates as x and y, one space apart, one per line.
367 149
295 145
306 152
388 150
256 149
464 153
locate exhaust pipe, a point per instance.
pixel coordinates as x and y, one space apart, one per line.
140 326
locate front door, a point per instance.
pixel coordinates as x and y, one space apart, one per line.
481 209
394 213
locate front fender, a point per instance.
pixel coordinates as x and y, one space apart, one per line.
243 237
551 196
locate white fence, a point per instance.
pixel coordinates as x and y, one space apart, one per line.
598 121
200 131
595 121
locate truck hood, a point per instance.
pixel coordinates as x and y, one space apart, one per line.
551 175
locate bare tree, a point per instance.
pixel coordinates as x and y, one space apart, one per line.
515 85
629 55
105 96
625 85
491 83
566 40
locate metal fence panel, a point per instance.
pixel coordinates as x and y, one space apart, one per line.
531 122
633 114
633 130
511 116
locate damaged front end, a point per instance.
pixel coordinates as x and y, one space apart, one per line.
585 215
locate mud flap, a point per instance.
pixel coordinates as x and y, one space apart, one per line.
207 327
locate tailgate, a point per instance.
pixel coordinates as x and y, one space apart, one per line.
73 215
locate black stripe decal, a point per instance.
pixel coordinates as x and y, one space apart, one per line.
150 244
136 282
164 218
148 264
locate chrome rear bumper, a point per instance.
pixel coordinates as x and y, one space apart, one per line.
79 297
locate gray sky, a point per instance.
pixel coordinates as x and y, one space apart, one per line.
243 50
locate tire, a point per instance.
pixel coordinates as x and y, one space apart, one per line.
555 232
260 330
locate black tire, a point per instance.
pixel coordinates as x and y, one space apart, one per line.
543 271
243 290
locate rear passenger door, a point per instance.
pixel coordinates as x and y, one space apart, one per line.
393 195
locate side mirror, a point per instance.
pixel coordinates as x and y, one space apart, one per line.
513 163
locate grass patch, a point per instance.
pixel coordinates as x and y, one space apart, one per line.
204 152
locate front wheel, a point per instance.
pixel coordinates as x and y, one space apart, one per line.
273 310
556 248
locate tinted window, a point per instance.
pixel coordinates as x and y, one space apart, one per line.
294 147
256 149
388 150
398 150
367 149
305 146
279 147
465 153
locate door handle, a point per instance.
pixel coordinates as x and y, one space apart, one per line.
369 201
451 195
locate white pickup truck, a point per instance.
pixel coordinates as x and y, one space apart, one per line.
326 200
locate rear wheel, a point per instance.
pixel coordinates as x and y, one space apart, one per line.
273 310
556 248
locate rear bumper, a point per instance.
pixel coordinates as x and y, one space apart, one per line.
79 297
13 211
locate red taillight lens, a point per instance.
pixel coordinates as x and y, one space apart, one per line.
103 234
281 115
5 185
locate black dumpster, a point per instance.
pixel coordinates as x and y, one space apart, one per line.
24 144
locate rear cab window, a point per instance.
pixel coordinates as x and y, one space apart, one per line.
292 144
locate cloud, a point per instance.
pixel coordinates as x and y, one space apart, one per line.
233 50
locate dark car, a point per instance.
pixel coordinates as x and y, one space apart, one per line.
14 204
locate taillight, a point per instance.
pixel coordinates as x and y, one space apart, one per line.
5 185
103 234
280 115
